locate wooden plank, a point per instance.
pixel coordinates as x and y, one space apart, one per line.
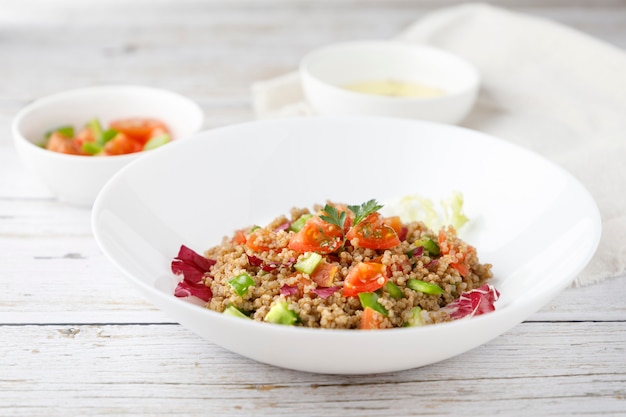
159 370
214 49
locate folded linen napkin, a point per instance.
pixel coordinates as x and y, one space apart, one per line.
545 86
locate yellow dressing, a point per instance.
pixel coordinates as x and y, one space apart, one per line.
395 89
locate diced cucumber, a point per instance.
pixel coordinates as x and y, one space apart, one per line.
415 319
308 263
298 224
156 141
235 312
281 314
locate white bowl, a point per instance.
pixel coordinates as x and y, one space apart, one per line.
326 71
76 179
533 221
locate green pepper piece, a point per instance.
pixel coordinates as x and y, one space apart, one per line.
96 129
370 299
429 245
107 135
91 148
394 290
281 314
415 319
235 312
156 141
241 283
299 223
65 130
425 287
308 263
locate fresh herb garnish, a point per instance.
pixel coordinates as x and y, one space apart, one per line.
334 217
364 210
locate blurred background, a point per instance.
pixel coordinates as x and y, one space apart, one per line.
213 50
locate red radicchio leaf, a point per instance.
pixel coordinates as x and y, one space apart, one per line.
193 267
254 261
434 262
190 272
283 226
325 292
404 231
186 289
474 303
267 266
190 257
289 289
417 252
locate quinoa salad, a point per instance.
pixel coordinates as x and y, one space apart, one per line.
339 266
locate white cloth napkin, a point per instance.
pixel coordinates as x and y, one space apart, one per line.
545 86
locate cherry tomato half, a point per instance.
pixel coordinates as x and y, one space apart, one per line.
121 144
373 233
364 277
263 240
324 274
140 129
317 236
371 319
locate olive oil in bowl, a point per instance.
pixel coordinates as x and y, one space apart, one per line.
392 88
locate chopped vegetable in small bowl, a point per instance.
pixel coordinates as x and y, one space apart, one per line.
122 136
114 121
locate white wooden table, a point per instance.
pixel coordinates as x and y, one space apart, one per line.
77 340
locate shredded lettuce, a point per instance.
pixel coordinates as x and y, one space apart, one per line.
416 208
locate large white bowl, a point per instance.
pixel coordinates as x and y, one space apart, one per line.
326 71
78 179
531 219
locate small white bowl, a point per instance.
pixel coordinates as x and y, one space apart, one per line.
76 179
326 71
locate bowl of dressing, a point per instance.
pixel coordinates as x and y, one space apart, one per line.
389 78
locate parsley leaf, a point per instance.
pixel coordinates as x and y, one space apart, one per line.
333 216
364 210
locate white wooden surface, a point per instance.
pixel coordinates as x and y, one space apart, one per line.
76 340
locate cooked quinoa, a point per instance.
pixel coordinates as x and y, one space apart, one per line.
266 255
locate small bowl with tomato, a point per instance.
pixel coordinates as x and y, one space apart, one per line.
75 141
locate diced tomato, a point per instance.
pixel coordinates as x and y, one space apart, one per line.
263 240
371 319
140 129
317 236
240 237
297 288
395 223
324 274
60 143
84 136
373 233
461 267
364 277
448 248
121 145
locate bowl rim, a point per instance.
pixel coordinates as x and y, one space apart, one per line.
307 59
20 139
